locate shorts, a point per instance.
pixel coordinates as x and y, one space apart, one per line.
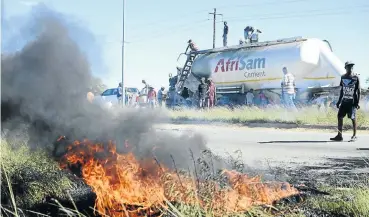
347 109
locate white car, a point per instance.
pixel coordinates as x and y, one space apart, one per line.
110 96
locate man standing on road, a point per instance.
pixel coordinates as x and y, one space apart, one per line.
120 93
202 89
160 96
211 93
288 89
151 97
250 98
225 34
348 102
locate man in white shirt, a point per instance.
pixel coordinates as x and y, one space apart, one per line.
288 89
255 36
250 98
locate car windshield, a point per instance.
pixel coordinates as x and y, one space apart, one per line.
110 92
132 90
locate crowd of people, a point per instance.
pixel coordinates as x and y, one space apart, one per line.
206 93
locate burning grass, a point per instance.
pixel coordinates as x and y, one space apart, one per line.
126 186
313 116
150 187
350 201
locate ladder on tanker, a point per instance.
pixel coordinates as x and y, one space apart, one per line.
185 72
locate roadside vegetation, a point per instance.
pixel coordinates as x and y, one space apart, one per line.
244 115
28 177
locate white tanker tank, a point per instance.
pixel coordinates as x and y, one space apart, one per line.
259 65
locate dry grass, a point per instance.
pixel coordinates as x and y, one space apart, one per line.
311 116
351 201
33 175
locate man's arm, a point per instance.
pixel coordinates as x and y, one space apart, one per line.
188 46
358 91
341 93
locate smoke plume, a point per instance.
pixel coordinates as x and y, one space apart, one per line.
44 87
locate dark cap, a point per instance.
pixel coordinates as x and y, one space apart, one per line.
349 63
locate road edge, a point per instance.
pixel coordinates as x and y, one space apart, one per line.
270 124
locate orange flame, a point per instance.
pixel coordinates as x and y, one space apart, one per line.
125 186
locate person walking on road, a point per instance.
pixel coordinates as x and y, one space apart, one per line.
202 89
348 101
160 96
288 89
225 34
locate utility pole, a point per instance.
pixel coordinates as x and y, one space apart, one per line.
123 58
214 21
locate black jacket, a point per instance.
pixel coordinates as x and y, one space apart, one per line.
203 88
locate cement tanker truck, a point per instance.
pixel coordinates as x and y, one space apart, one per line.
258 66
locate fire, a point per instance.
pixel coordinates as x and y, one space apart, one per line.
126 186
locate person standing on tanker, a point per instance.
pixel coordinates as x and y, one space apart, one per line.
247 33
288 89
192 46
202 89
348 102
255 36
225 34
211 93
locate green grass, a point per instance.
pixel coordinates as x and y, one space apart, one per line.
311 116
351 201
33 175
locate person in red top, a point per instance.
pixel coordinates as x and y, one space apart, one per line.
263 99
211 93
151 97
192 46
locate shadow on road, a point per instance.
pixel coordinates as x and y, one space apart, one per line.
299 141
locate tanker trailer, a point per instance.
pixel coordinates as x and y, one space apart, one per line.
258 66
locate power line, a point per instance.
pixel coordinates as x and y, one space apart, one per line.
190 26
268 14
299 12
171 30
280 15
262 4
181 16
299 15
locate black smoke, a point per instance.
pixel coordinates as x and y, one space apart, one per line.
43 90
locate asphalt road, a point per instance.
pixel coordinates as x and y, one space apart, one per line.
262 148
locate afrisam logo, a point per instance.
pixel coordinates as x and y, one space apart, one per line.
239 64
